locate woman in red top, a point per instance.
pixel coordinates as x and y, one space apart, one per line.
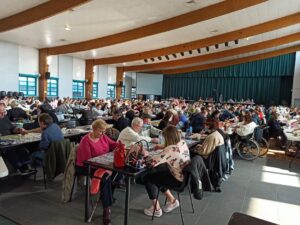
91 145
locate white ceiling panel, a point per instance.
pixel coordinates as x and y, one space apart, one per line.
11 7
233 21
99 18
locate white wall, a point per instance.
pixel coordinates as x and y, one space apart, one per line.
15 59
9 67
78 69
53 65
111 73
65 71
28 60
103 80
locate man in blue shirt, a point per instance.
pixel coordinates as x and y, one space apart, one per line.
50 131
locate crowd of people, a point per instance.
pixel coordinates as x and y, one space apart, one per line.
130 119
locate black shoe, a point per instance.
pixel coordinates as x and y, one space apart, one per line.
198 194
106 216
26 172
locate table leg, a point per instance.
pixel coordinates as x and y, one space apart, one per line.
128 182
87 195
296 154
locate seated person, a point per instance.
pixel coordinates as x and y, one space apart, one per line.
50 132
275 129
213 140
19 156
119 121
148 126
247 126
197 120
167 170
166 120
131 135
228 114
94 144
16 113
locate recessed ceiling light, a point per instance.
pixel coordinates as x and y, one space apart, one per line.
67 28
190 2
124 64
214 31
62 40
94 53
248 38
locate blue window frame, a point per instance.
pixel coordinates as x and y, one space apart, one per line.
78 89
111 90
28 84
95 90
52 87
133 92
123 92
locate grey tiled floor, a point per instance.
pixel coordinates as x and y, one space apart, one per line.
265 188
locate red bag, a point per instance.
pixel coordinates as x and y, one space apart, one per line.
119 155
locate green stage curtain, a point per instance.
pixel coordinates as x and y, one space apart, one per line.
267 81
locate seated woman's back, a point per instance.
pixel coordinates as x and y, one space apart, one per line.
247 127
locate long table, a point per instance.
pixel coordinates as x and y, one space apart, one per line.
293 136
106 162
15 140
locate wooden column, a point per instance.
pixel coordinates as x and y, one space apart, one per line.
89 77
119 82
43 68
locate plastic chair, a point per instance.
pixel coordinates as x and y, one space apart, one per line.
179 190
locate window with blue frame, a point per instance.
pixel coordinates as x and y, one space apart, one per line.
52 87
78 89
28 84
95 90
133 92
111 90
123 92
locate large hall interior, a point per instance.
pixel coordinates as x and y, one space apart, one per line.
156 112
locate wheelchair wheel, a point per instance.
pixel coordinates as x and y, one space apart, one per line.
248 149
264 147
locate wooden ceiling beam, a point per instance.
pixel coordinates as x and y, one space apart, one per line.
217 55
222 38
231 62
38 13
183 20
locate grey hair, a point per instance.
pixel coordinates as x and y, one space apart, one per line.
136 121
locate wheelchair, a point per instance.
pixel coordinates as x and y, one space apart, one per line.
253 145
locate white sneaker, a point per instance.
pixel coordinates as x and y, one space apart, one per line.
149 212
171 206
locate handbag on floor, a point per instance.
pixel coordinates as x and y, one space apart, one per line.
3 168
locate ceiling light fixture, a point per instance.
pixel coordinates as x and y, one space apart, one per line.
145 60
174 55
167 57
199 50
182 53
236 41
226 44
159 57
67 27
191 52
152 59
216 46
207 48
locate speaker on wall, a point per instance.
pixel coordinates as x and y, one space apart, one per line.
47 75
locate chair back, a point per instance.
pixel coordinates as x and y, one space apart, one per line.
56 158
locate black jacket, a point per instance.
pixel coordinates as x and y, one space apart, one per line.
199 176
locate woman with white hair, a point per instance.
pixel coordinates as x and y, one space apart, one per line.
131 135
